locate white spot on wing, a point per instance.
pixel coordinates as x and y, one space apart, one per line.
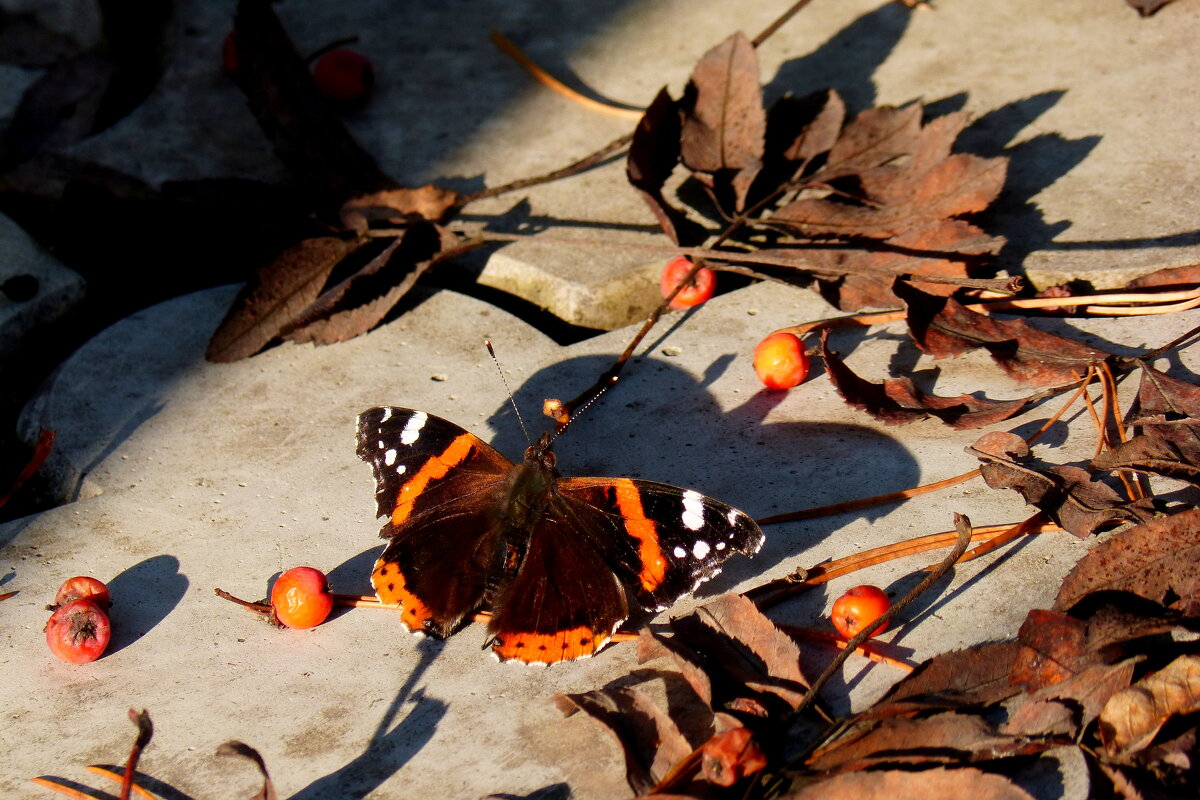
733 516
700 549
693 510
389 457
679 552
412 428
720 545
387 414
400 470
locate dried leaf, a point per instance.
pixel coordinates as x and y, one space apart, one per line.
944 738
724 125
649 740
1153 455
235 748
399 206
1156 560
1054 648
898 401
305 132
1070 495
902 785
279 295
1147 8
357 304
1167 408
653 154
974 676
941 326
1088 691
800 129
1133 717
875 136
1170 276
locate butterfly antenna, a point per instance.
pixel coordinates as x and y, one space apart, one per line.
520 420
577 412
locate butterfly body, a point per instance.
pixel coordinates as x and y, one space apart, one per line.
556 560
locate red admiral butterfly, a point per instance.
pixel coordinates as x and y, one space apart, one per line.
555 559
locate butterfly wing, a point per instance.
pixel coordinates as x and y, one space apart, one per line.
664 540
436 484
597 537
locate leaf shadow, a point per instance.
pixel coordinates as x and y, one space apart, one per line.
144 595
393 743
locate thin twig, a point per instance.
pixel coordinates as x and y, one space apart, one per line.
866 649
963 527
574 168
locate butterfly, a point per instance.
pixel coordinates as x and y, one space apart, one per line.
558 561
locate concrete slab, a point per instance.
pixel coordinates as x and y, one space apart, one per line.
201 475
1094 105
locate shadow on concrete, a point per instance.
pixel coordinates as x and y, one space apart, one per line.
393 743
143 596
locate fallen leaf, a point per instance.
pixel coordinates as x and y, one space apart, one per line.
942 327
278 296
898 401
1133 717
1087 692
724 124
649 740
1167 408
653 154
235 748
1153 455
1155 560
973 676
1054 648
800 129
939 782
1170 276
398 206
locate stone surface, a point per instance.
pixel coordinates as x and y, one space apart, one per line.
204 475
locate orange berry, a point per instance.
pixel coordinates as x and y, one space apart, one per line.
301 598
344 77
858 608
702 286
780 361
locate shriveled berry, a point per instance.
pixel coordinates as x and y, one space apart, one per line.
780 361
730 756
301 598
78 632
344 77
82 587
701 287
858 608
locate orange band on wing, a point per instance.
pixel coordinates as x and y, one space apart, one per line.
391 588
549 648
654 565
433 469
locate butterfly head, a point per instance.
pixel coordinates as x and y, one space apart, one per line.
541 453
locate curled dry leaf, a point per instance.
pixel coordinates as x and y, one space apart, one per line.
898 401
1086 693
724 124
1157 560
942 327
1133 717
974 676
649 740
1071 496
398 206
235 748
1155 456
1171 276
653 154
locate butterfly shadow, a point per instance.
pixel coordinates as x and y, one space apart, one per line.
392 744
659 422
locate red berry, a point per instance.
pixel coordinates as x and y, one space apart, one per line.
858 608
344 77
78 632
301 598
780 361
700 289
229 54
730 756
82 587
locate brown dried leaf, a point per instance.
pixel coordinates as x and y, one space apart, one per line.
649 740
875 136
1152 560
1089 690
724 124
278 296
1054 648
1070 495
800 129
944 738
398 206
939 782
945 248
1170 276
1133 717
1153 455
358 303
941 326
959 678
898 401
235 748
653 154
1167 408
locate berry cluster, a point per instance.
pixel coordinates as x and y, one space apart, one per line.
79 630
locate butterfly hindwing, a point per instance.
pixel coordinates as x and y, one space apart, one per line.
436 483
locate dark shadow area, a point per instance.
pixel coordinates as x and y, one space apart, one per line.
555 791
143 596
847 61
160 788
395 741
353 576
